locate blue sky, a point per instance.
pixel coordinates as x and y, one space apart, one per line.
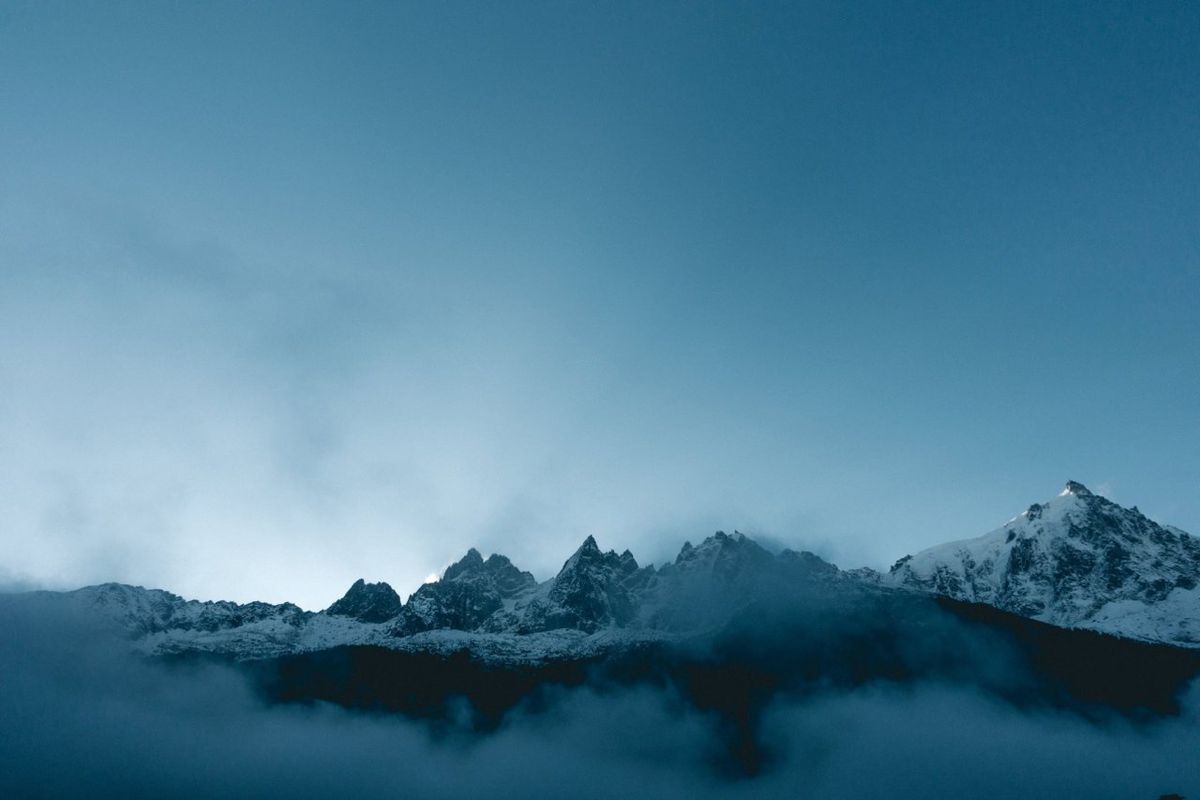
294 293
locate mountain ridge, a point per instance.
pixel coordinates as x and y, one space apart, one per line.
1076 560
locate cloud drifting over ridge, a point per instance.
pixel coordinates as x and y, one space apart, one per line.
79 717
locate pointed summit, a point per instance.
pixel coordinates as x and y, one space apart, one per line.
586 594
508 579
727 553
587 552
367 602
1077 560
471 562
1075 488
469 593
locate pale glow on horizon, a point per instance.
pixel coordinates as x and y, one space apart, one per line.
477 318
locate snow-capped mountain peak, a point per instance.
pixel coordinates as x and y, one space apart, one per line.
1077 489
1076 560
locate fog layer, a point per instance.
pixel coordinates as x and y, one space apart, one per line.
79 717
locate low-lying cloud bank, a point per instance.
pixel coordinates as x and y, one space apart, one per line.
78 717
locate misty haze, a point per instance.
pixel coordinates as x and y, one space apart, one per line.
546 400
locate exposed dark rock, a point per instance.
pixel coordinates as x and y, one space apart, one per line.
470 592
368 602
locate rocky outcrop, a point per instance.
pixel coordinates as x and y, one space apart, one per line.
468 594
368 602
589 592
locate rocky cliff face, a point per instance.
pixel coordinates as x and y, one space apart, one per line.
469 594
1077 560
368 602
589 592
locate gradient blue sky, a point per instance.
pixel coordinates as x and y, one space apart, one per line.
293 293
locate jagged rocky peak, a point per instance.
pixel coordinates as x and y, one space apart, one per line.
143 611
722 553
509 580
1076 488
591 591
709 584
497 568
706 581
471 562
589 556
470 592
723 540
738 549
368 602
589 551
815 566
1077 560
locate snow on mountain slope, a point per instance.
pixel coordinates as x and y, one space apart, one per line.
1077 560
598 601
471 593
588 593
147 611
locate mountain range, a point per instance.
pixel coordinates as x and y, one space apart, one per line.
1076 605
1076 561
